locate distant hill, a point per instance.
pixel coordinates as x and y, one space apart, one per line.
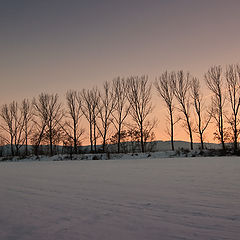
166 145
155 146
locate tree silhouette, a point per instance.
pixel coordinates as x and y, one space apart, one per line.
214 82
139 97
181 86
165 89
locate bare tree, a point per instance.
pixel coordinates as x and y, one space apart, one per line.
166 92
49 111
121 107
139 97
90 99
181 85
7 125
233 86
72 127
26 110
13 125
203 119
105 108
214 82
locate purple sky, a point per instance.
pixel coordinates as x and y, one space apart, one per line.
58 45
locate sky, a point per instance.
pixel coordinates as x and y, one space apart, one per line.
56 45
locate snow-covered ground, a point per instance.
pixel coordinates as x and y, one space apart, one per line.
175 198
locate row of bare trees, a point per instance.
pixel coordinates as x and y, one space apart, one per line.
122 111
45 121
182 93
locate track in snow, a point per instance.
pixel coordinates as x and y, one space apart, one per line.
191 198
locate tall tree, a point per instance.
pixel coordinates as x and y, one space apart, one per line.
139 97
121 108
90 99
7 125
13 125
105 108
215 83
233 86
49 111
26 109
74 113
165 90
203 116
181 85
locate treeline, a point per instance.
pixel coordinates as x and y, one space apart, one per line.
121 111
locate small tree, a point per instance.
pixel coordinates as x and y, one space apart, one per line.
124 138
134 136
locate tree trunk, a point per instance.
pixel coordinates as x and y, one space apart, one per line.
104 142
191 139
95 139
201 138
26 145
90 135
221 123
235 134
36 150
200 130
190 134
50 140
104 139
75 137
119 137
26 140
12 150
221 134
142 140
172 141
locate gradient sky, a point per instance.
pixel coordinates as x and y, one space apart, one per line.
58 45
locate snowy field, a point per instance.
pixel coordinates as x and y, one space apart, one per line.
177 198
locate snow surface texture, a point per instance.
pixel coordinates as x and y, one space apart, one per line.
177 198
